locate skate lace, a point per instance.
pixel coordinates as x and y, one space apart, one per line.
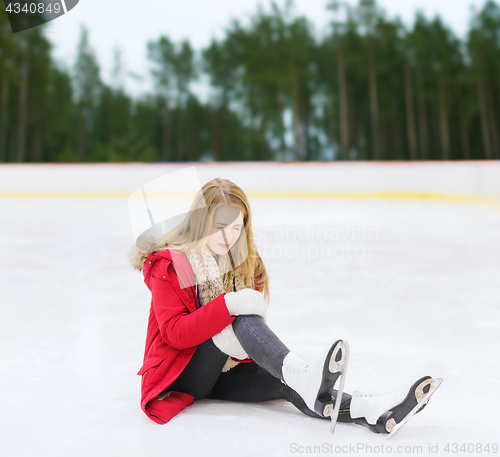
373 394
298 370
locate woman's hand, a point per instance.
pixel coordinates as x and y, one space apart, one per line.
246 301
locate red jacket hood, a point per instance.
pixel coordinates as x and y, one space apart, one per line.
143 259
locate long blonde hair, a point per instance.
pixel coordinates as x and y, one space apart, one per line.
192 233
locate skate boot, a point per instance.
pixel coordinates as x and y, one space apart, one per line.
314 382
388 412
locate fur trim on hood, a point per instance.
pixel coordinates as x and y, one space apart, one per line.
138 256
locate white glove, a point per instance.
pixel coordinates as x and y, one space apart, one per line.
228 343
246 301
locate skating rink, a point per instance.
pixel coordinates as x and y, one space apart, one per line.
400 260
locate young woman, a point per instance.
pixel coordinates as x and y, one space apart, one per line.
207 335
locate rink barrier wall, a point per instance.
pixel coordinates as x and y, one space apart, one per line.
459 181
493 202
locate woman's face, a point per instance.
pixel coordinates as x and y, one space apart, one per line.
228 226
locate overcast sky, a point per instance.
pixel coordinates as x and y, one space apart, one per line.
130 24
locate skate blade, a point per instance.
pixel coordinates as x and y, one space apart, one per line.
337 367
422 401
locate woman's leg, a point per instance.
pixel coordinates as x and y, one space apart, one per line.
269 352
249 382
261 343
202 371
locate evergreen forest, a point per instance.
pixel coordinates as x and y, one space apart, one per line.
369 89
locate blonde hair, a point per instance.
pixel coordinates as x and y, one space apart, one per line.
192 233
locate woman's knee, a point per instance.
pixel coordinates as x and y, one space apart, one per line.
246 322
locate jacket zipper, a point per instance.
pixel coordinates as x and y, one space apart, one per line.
187 290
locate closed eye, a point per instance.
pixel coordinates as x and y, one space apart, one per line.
238 228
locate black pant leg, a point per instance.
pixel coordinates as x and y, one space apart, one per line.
248 382
202 371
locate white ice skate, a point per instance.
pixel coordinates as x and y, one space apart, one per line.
314 382
388 412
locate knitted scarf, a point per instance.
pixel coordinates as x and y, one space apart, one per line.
210 283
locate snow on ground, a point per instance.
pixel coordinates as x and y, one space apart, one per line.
412 284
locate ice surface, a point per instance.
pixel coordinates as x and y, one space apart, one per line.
412 284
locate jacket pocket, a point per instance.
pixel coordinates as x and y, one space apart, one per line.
150 363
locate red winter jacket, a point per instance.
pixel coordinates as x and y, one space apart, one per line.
177 325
